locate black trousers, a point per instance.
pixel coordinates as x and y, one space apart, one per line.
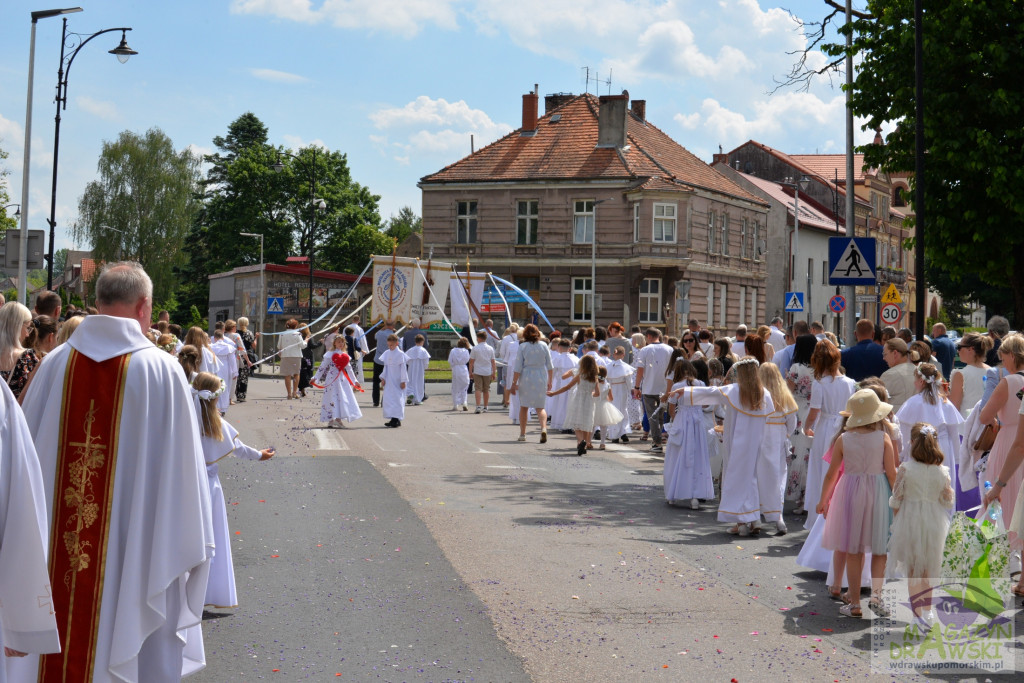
377 370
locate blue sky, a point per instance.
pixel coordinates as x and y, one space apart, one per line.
399 85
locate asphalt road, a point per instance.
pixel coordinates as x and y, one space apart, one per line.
446 551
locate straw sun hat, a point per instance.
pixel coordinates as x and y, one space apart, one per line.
864 408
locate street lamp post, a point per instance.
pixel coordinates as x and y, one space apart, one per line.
315 205
263 291
68 41
23 245
801 184
123 242
593 265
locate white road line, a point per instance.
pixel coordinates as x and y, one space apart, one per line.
329 440
398 464
462 443
388 448
514 467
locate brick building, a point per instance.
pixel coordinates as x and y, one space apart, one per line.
672 234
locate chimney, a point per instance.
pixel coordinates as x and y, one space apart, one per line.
639 108
611 120
720 158
556 100
530 113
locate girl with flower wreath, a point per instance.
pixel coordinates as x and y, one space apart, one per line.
219 440
930 405
339 383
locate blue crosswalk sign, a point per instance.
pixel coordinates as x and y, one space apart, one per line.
851 260
275 305
794 302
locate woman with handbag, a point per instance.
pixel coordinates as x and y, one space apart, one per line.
1002 411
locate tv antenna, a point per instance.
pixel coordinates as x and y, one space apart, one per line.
596 78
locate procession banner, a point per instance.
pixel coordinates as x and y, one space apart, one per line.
398 291
462 311
430 310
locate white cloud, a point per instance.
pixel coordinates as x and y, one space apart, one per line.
295 142
689 122
434 127
403 17
12 135
772 116
277 76
98 108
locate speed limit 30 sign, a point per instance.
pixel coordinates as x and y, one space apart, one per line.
891 314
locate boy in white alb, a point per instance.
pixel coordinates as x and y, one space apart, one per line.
227 358
562 362
482 369
394 378
418 357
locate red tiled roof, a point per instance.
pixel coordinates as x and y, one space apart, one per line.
566 149
825 165
89 268
809 214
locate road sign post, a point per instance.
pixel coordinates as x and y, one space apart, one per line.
851 261
275 305
837 304
891 314
794 302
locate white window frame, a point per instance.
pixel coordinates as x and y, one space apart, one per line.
753 304
757 241
725 234
530 217
711 304
743 239
583 209
659 223
582 286
649 297
711 232
723 294
466 221
636 222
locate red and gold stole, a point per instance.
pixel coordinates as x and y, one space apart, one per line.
82 504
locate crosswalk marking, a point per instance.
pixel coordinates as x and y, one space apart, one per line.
329 440
387 448
461 442
514 467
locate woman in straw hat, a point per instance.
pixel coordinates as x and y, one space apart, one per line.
857 514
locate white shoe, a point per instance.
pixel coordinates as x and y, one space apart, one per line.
478 410
744 530
780 528
694 504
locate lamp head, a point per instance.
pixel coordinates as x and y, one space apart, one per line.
805 182
122 51
320 204
278 165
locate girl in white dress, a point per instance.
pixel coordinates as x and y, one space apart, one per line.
219 440
829 393
339 383
687 468
605 412
747 405
579 415
930 405
458 359
799 379
921 500
563 363
775 448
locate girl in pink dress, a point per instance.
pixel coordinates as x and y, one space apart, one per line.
857 514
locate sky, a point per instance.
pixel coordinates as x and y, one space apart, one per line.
399 85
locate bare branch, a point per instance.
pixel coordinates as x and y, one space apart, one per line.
842 8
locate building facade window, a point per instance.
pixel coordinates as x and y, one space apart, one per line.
526 221
711 232
664 223
583 221
636 222
465 223
743 303
711 304
725 234
650 300
723 293
582 299
753 305
759 247
743 240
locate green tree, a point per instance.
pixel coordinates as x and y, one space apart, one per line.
7 220
405 223
973 108
142 205
60 257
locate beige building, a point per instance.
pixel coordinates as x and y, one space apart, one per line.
593 188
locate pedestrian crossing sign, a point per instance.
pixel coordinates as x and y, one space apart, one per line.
851 260
794 302
275 305
892 295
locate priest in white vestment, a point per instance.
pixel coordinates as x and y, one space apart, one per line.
112 412
227 367
28 623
